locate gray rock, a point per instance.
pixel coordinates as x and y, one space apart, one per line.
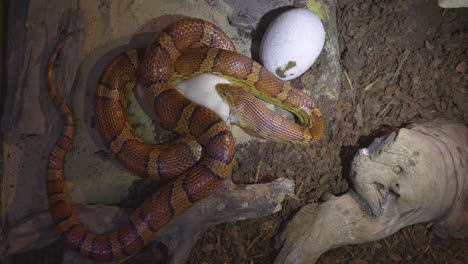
247 14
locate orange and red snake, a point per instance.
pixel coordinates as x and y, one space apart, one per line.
186 48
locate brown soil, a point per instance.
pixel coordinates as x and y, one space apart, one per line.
401 60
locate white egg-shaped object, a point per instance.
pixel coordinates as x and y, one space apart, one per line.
292 43
202 90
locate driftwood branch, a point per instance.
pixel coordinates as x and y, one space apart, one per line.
419 176
232 202
318 227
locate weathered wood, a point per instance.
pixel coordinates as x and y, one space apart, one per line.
419 177
230 203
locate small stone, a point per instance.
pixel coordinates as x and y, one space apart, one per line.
436 62
289 172
358 116
324 178
391 90
311 153
461 67
456 261
359 261
396 257
429 45
288 156
208 248
424 103
456 79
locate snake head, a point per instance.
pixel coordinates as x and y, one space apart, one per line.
240 103
231 94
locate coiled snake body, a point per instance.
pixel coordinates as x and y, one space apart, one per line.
188 179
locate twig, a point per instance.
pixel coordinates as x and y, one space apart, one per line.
349 252
254 241
427 249
256 256
383 111
444 12
292 196
400 65
257 173
370 85
458 253
386 242
299 190
348 79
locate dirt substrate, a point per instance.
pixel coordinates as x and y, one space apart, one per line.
401 60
